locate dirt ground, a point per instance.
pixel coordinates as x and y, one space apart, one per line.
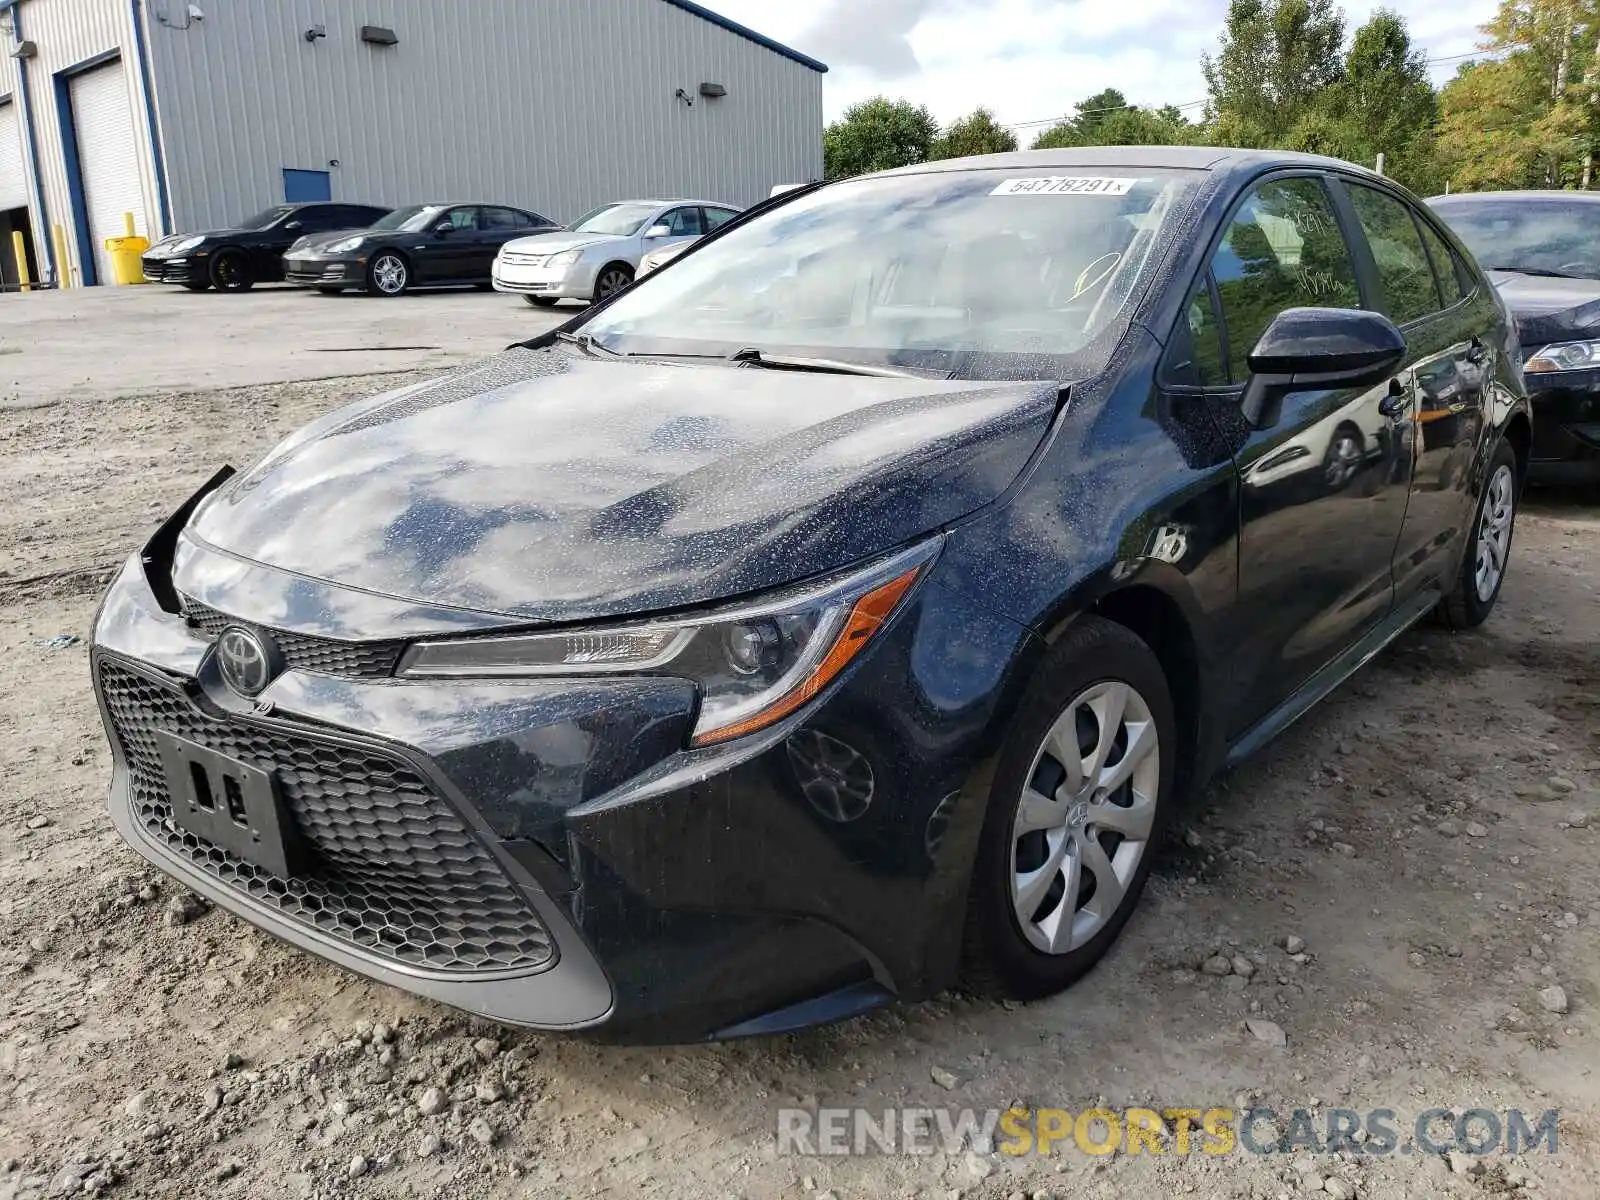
1432 833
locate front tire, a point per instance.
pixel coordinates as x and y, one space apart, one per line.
231 273
330 291
388 275
1080 799
611 280
197 286
1488 554
541 301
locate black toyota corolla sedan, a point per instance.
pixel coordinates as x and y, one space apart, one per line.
1542 250
841 610
425 245
235 260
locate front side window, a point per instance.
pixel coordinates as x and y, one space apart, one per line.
1409 289
1282 249
461 218
683 222
412 219
976 274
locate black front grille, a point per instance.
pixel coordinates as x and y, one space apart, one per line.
370 660
393 869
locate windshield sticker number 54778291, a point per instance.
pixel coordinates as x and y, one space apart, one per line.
1065 185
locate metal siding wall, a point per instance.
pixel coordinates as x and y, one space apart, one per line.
555 105
69 32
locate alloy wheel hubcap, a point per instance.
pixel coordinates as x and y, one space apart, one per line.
390 274
1494 533
612 282
1085 817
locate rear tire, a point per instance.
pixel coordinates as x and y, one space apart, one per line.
388 275
541 301
1488 551
1063 858
231 273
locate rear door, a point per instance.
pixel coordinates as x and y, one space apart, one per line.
1446 329
1323 488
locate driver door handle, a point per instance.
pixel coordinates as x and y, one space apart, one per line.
1394 404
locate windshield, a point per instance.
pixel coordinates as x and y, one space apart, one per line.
270 216
620 220
1528 235
976 274
409 220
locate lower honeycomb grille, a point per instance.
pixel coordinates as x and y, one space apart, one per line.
394 871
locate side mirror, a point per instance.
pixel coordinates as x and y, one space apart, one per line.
293 227
657 231
443 229
1318 348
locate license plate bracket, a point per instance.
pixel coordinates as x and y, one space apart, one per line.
233 805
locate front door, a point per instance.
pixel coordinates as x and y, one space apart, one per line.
1323 485
451 247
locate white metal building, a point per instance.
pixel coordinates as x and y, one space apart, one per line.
192 115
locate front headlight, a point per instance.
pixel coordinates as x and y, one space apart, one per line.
1563 356
754 664
183 247
564 260
346 246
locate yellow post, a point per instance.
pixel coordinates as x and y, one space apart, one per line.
63 263
20 249
127 220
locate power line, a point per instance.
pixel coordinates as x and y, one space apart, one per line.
1068 118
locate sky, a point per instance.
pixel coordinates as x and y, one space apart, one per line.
1032 60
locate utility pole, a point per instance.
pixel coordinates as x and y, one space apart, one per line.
1378 166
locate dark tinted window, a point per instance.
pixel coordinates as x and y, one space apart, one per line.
362 215
1446 270
321 218
504 218
1526 234
716 218
1282 249
1404 271
683 222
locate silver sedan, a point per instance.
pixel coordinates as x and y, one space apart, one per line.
600 255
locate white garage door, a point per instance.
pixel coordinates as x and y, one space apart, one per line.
13 184
102 115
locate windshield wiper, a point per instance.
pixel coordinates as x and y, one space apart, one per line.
587 342
752 357
1542 272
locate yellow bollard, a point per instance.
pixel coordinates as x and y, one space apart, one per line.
63 263
20 249
127 221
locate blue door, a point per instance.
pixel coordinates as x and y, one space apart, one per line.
301 187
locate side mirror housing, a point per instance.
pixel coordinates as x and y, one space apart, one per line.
657 231
293 227
443 229
1318 348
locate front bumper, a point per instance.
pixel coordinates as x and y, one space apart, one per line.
1566 426
188 269
324 272
558 283
547 852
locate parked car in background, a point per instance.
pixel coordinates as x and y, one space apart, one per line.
1542 249
600 255
660 258
236 259
425 245
853 600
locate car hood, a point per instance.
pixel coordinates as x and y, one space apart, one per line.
549 487
1549 309
559 241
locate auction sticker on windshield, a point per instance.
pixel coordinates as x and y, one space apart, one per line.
1065 185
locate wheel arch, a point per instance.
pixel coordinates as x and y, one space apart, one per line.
1519 434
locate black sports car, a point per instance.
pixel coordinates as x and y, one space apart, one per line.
426 245
234 260
1542 250
840 608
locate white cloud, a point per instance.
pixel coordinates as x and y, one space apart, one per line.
1034 59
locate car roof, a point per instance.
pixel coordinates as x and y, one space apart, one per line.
1543 195
661 200
1193 158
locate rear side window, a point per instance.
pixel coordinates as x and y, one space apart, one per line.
1282 249
716 218
1446 270
1409 290
503 218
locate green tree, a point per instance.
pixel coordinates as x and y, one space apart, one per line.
878 135
1384 104
1058 137
1090 113
1275 60
975 134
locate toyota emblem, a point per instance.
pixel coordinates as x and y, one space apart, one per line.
247 661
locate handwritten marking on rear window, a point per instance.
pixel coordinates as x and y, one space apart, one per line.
1065 185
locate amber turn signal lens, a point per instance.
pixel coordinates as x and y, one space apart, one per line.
866 618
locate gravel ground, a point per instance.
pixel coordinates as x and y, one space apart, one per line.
1402 889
